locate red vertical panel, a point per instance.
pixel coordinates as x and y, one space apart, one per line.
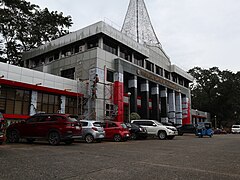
118 100
187 117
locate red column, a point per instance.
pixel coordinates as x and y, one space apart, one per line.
118 96
186 111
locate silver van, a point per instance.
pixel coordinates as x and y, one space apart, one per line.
92 131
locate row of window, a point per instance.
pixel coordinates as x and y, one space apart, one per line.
109 45
18 101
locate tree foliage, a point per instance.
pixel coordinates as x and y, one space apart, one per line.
24 26
134 116
217 92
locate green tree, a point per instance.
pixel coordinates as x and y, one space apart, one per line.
134 116
217 92
24 26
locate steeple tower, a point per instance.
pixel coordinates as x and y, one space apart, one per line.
137 24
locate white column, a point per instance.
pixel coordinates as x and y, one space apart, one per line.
179 108
33 107
63 103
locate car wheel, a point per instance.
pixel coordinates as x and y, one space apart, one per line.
170 137
13 136
117 138
162 135
68 142
134 136
30 140
89 138
54 138
180 133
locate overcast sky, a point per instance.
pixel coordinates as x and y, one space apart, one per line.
203 33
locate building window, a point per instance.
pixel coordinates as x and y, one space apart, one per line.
126 54
149 66
71 105
110 76
48 103
138 60
110 46
92 43
14 101
174 78
109 110
159 70
167 74
68 73
66 52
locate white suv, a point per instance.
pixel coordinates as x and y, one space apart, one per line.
235 128
156 128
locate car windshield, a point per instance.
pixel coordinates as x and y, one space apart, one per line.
124 126
97 124
235 126
72 118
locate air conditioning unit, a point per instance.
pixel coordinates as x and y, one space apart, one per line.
81 48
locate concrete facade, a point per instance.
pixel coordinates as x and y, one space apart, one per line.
143 70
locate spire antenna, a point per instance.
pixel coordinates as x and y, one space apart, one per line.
137 24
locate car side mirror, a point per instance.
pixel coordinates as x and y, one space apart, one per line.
154 125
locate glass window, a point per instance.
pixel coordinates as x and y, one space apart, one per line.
110 76
84 124
3 92
97 124
11 94
10 107
112 125
68 73
18 107
19 94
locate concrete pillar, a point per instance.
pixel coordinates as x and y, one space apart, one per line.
178 108
33 106
145 100
155 102
63 103
118 94
172 107
163 100
132 88
100 42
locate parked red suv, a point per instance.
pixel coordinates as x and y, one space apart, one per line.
53 127
116 131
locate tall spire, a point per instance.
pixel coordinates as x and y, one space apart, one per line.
137 24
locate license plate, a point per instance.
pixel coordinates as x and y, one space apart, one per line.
101 136
77 127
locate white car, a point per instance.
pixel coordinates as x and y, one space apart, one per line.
156 128
235 129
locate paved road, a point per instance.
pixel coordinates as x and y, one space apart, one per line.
185 157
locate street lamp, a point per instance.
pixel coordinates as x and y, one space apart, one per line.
129 107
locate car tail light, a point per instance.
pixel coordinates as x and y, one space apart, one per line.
95 129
